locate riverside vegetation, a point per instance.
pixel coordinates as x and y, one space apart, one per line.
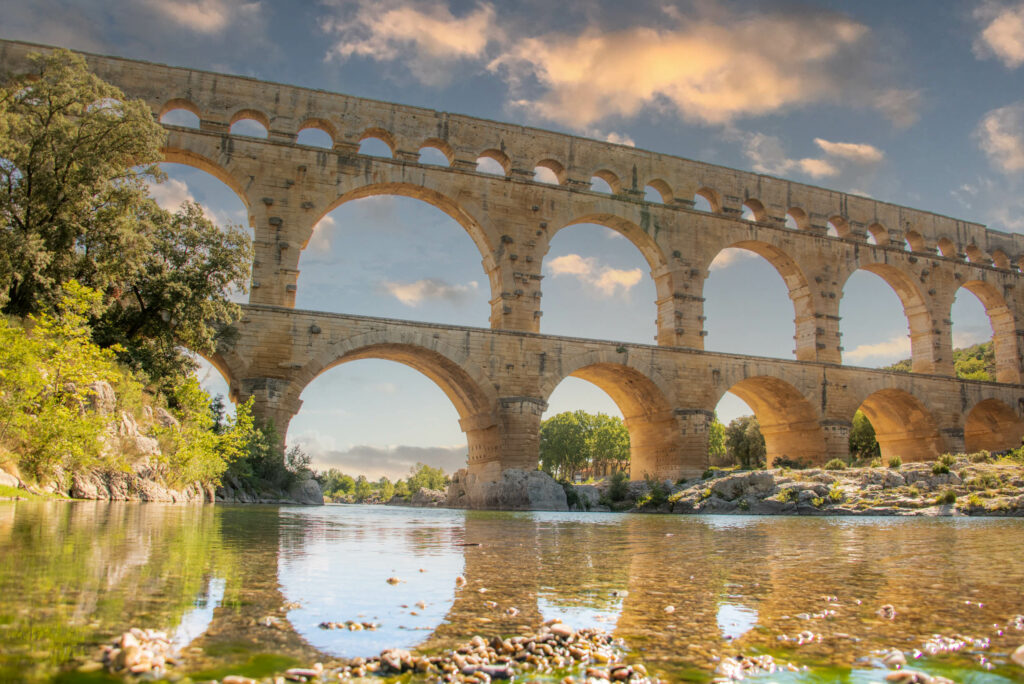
102 292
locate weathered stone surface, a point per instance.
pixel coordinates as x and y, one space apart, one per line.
733 486
164 418
306 492
9 480
428 498
515 490
101 398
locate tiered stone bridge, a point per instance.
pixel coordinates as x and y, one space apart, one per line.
499 378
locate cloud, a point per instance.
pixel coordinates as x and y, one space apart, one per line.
415 293
424 35
171 194
205 16
373 462
320 242
893 349
859 153
588 270
901 107
730 256
1002 36
1001 136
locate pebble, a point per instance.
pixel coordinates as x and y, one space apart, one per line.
460 581
670 609
895 659
1018 655
887 612
393 580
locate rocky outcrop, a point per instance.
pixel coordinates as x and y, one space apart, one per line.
306 492
515 490
138 485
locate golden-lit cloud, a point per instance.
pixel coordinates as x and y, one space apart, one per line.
1001 136
767 155
429 289
205 16
859 153
892 349
1002 35
729 257
589 271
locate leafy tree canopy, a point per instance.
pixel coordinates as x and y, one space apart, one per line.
574 440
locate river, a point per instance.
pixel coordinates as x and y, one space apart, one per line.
243 589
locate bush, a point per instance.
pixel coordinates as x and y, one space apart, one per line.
875 463
835 464
791 463
618 487
946 497
658 493
818 502
974 501
895 462
836 493
707 474
980 457
788 494
939 468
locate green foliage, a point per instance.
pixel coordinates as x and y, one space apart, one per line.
788 494
363 489
657 492
817 502
618 486
575 440
939 468
977 362
45 372
385 489
75 158
948 496
863 444
836 464
895 462
836 493
422 476
573 498
875 463
716 439
745 443
402 489
337 486
974 501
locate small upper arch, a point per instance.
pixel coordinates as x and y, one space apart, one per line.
250 115
496 156
319 124
556 171
1000 260
441 146
663 190
614 185
800 218
712 197
840 225
915 241
975 255
878 234
946 248
377 133
179 103
756 209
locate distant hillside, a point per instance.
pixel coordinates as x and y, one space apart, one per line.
977 362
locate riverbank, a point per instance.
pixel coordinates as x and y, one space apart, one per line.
954 485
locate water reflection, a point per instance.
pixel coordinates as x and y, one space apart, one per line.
240 582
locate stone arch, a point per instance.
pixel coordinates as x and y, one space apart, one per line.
498 156
179 155
554 167
469 391
756 208
879 233
640 239
179 103
800 218
946 248
643 398
975 255
663 189
841 225
610 178
993 426
436 199
223 365
915 241
789 421
441 146
253 114
713 197
1000 260
799 291
903 425
919 317
1004 328
320 124
381 134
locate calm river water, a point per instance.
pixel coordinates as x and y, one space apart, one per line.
250 585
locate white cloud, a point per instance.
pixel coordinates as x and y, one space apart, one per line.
971 336
426 36
893 349
415 293
205 16
588 270
320 242
1001 136
730 256
1002 36
900 106
859 153
171 194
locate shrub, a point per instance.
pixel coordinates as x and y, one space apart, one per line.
835 464
788 494
573 498
912 490
974 501
836 493
707 474
744 505
980 457
818 502
940 468
895 462
618 486
946 497
791 463
658 493
875 463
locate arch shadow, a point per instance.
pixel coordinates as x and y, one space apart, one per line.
903 426
993 426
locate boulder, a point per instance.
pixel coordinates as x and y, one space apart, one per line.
428 498
101 399
130 435
733 486
589 495
306 492
88 485
164 418
515 490
9 480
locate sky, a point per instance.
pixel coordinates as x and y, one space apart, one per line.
918 103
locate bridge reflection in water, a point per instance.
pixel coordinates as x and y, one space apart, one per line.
242 583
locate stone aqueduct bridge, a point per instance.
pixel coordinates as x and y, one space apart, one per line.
500 378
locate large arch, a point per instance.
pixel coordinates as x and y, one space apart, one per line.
788 420
903 426
804 321
993 426
449 206
655 446
641 239
1004 328
919 318
468 390
179 155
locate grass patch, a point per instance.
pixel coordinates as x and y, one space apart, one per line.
11 492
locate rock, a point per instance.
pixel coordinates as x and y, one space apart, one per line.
514 490
165 419
88 485
307 492
9 480
895 659
589 494
561 630
428 498
101 399
733 486
1018 655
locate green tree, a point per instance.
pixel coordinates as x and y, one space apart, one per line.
402 489
385 489
564 450
363 489
716 439
745 443
977 362
75 158
422 476
607 443
863 444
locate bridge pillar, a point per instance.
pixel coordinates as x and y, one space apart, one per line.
931 342
271 401
517 436
281 232
954 439
680 307
515 275
837 439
